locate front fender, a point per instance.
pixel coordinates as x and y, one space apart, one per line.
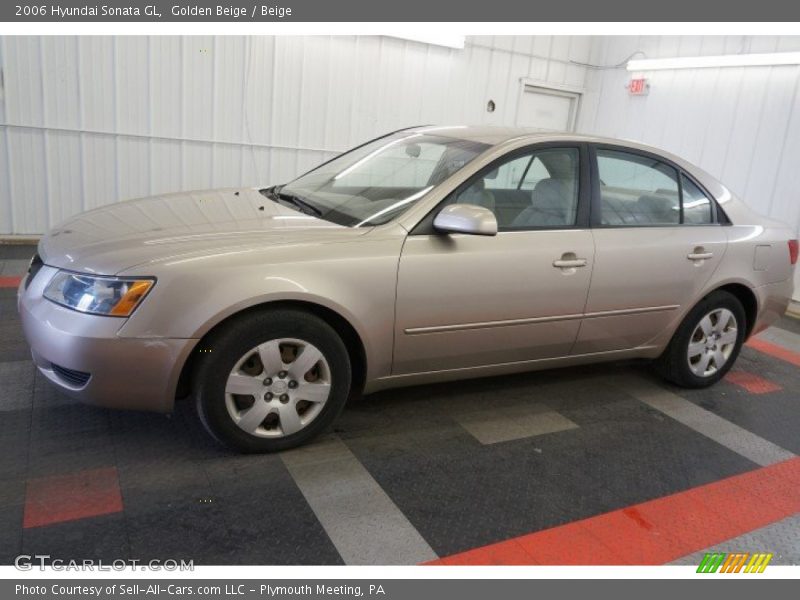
356 280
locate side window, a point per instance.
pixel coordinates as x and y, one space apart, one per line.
509 175
637 190
535 190
696 205
536 172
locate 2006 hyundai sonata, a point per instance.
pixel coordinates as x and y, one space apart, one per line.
425 255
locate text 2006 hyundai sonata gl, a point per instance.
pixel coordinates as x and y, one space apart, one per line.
425 255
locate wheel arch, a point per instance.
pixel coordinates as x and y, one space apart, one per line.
353 341
747 297
739 289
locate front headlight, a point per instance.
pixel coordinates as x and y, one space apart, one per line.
114 296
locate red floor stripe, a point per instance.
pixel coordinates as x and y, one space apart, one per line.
752 383
10 282
775 350
50 500
657 531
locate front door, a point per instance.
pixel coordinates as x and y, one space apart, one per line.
465 301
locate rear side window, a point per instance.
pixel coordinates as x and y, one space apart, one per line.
636 190
696 205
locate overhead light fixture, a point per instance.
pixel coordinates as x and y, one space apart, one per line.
704 62
436 39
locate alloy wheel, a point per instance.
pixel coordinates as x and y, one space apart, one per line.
277 388
712 342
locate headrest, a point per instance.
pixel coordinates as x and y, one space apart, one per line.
658 206
550 194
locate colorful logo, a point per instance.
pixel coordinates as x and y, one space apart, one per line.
735 562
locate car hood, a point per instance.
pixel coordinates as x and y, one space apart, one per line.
135 232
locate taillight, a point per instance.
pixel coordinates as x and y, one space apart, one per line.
793 251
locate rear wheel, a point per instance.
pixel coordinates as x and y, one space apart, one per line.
706 344
271 381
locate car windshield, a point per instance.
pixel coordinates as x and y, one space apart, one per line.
375 183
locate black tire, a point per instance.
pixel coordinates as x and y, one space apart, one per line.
674 365
220 352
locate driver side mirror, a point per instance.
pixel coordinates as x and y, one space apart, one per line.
466 218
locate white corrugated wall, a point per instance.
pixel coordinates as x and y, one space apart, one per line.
85 121
742 125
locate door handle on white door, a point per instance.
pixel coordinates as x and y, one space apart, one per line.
700 254
570 264
568 260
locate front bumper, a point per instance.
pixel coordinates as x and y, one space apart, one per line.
123 373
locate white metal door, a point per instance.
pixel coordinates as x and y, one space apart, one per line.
547 108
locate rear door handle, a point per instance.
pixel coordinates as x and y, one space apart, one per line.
569 263
700 254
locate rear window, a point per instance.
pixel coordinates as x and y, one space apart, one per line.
696 204
637 190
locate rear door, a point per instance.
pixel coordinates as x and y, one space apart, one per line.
656 244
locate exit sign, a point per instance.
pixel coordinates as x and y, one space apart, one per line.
638 87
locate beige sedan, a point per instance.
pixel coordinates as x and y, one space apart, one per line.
425 255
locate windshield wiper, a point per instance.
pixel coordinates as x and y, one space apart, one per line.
270 191
298 202
302 204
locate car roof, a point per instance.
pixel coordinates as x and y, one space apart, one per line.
495 135
484 134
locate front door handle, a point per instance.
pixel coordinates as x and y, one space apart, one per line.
569 260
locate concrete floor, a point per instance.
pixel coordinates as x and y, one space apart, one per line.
594 465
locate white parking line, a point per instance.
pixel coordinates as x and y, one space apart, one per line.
782 337
722 431
363 523
492 425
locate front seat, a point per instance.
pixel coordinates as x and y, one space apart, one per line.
478 195
551 206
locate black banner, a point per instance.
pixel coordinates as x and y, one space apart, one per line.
407 10
390 589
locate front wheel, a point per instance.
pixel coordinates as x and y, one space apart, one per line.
706 344
271 380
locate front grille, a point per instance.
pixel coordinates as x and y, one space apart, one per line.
33 269
71 376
